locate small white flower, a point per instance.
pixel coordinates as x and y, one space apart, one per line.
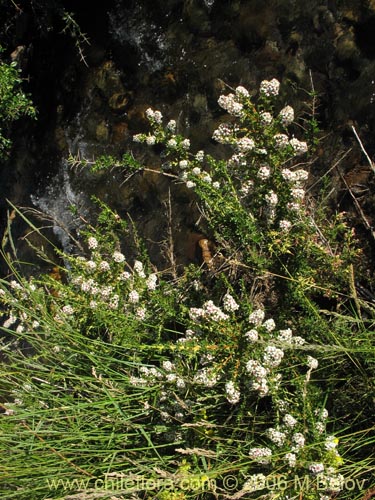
151 282
168 366
257 316
261 455
281 141
91 265
185 143
138 138
190 184
289 420
320 427
242 92
286 115
138 268
265 118
247 187
172 143
15 285
299 441
269 325
92 243
323 414
291 459
299 147
312 362
171 126
199 156
270 88
285 225
298 193
150 140
264 172
196 171
68 310
316 468
245 144
133 297
232 394
276 436
104 266
216 185
158 117
272 356
10 321
140 313
271 199
183 164
118 257
113 303
330 443
180 383
124 276
252 335
229 303
150 113
86 285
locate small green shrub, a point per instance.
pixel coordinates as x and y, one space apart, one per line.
14 103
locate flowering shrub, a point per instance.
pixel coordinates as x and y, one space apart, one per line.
114 372
105 323
254 199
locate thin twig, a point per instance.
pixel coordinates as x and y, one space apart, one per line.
170 249
363 149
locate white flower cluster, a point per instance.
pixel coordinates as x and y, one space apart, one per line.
265 118
259 375
276 436
299 147
281 141
264 172
245 144
252 335
229 303
291 459
271 199
272 356
299 441
316 468
224 134
208 377
232 104
286 115
68 310
92 243
154 116
256 317
232 394
270 88
261 455
312 362
208 311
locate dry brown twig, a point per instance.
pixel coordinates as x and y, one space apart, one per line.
370 162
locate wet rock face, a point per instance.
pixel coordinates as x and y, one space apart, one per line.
179 56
